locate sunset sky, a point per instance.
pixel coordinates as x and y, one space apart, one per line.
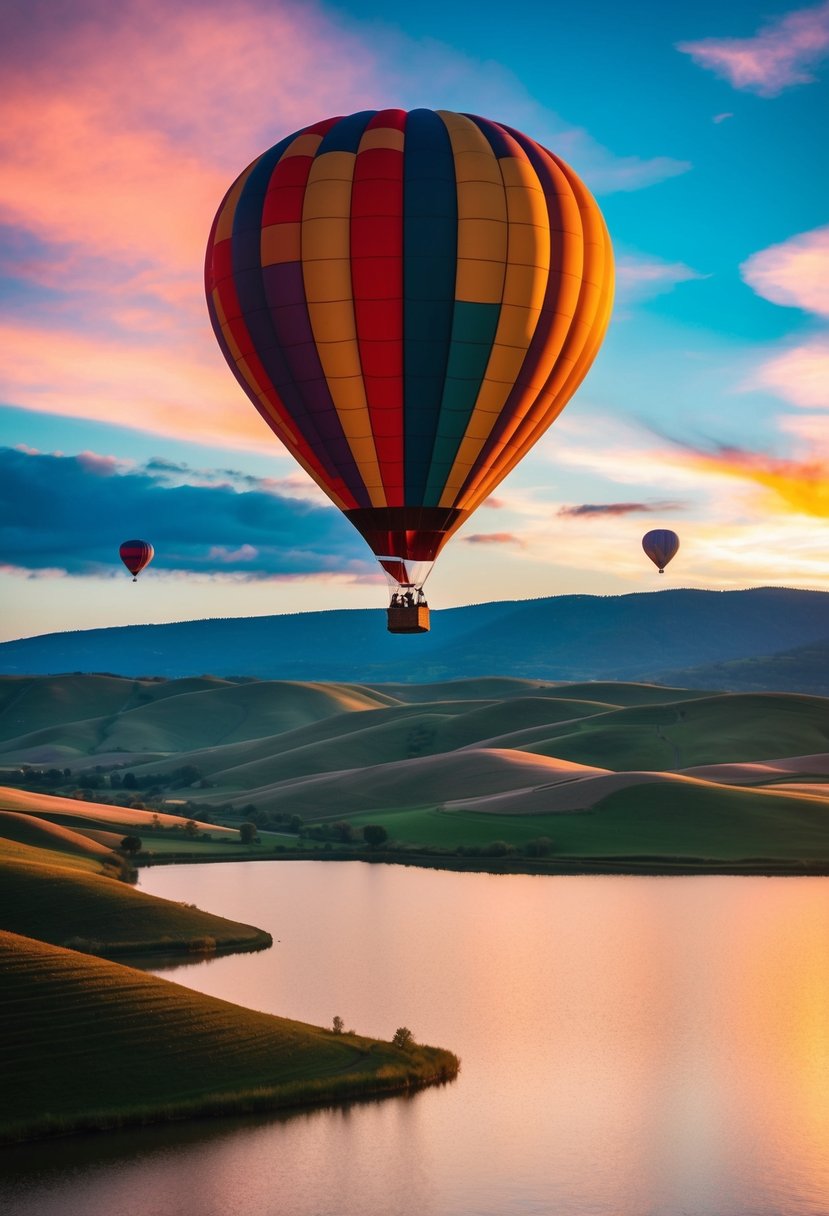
700 128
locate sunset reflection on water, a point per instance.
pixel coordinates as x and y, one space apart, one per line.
629 1046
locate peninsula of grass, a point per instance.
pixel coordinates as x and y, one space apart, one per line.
66 905
88 1044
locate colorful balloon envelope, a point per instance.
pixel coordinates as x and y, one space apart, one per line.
409 300
136 554
660 545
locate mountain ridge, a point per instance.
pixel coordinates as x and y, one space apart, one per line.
651 636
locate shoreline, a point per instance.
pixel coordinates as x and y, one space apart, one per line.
645 866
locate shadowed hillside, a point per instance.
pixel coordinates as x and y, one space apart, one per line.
565 638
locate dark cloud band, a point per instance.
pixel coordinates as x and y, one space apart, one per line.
70 513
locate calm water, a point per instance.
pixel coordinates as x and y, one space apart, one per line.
630 1046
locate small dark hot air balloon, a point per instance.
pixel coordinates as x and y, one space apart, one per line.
409 300
136 554
660 545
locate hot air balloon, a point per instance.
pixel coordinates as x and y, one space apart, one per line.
409 300
136 554
660 545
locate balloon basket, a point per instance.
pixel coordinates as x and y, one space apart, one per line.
408 618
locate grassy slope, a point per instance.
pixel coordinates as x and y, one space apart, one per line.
190 715
676 821
80 813
708 730
87 1043
29 829
62 905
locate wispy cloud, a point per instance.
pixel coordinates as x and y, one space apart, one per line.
794 273
70 513
641 276
493 538
598 509
782 53
799 375
718 118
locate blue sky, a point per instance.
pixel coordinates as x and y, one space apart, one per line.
701 131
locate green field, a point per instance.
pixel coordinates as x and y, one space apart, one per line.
86 1043
673 822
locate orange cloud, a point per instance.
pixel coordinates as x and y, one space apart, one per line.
803 486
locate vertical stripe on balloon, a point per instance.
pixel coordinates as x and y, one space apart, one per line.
377 280
479 288
235 340
430 240
526 408
584 336
326 276
527 276
282 278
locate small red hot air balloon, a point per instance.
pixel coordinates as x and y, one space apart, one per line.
136 554
660 545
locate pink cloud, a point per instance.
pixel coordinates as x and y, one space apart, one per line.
183 391
799 375
120 128
781 54
795 273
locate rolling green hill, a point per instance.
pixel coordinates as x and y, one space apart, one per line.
319 753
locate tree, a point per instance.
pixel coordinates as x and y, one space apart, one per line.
191 829
247 832
129 782
339 1025
375 834
403 1037
131 844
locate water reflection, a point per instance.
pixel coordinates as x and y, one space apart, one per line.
632 1045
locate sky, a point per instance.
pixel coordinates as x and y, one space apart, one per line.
700 128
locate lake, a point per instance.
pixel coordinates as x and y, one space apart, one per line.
630 1047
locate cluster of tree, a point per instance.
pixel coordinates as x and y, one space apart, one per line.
35 778
177 778
342 832
539 846
275 820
